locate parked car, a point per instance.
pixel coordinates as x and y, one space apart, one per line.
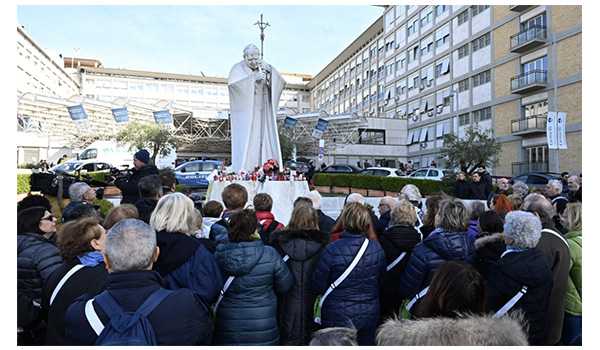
341 169
380 171
435 174
196 173
536 180
300 167
72 167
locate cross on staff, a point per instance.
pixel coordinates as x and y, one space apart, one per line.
262 25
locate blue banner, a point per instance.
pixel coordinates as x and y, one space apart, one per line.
77 113
120 114
163 117
289 122
320 128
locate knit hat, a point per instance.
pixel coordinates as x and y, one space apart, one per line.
524 228
142 155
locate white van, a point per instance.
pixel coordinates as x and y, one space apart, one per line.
120 156
111 152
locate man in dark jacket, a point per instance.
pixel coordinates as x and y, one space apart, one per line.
556 249
151 190
477 188
180 319
129 185
461 187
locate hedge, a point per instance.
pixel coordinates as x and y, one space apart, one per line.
23 184
392 184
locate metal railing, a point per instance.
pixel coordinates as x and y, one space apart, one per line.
533 77
537 122
519 168
527 35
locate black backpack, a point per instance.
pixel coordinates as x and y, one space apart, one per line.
265 235
125 328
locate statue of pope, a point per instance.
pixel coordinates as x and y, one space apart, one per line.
254 91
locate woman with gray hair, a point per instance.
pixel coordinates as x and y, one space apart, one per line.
520 188
522 274
447 242
398 242
184 261
79 193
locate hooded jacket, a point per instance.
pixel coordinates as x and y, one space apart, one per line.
129 186
573 298
396 240
437 248
265 219
461 189
247 314
355 302
184 262
514 270
488 250
467 331
326 223
296 306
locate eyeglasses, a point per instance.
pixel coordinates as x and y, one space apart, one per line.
49 218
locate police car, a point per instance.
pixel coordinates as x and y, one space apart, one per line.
196 173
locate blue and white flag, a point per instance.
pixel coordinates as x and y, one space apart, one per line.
163 117
77 113
120 114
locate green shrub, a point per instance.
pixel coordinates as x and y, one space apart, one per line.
98 175
23 183
321 179
342 180
369 182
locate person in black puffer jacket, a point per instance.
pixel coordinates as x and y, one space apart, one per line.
522 264
247 314
477 188
461 186
37 258
355 302
447 242
129 185
184 261
80 242
489 243
399 239
302 243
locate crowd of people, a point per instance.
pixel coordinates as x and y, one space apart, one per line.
160 269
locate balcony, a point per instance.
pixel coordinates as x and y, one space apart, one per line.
527 167
519 8
528 39
529 81
531 125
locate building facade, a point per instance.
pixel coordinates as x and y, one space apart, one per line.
354 83
426 71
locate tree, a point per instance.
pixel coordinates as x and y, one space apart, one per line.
157 139
477 148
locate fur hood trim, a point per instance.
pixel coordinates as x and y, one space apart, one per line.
466 331
482 241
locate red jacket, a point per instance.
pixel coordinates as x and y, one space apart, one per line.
265 218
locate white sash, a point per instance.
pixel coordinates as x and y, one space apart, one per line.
63 280
396 261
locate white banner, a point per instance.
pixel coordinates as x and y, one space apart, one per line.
561 122
551 131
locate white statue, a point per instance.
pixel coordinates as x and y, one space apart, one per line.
254 91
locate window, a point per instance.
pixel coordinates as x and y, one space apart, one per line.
422 172
440 9
481 42
371 137
438 69
412 27
463 51
477 9
463 85
540 64
433 173
481 78
463 119
538 21
482 114
427 19
535 109
463 17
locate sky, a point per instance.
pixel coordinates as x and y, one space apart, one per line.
197 39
